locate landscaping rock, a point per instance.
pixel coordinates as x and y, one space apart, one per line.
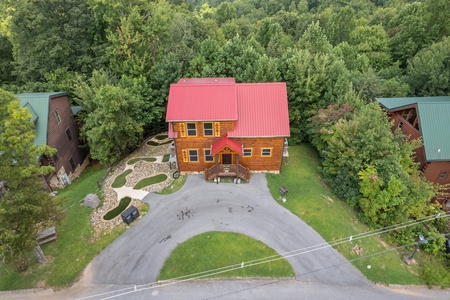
92 200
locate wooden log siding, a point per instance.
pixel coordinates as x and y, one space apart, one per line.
223 127
256 162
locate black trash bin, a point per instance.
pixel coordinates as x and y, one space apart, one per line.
130 214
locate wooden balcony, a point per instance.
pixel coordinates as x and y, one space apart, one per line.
233 170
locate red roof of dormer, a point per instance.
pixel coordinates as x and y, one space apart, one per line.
258 109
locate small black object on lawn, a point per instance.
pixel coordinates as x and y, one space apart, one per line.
283 190
130 214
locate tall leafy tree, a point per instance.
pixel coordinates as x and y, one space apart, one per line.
47 35
23 202
429 71
113 116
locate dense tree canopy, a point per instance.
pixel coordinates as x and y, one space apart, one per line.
118 58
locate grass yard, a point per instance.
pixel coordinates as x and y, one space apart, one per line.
135 160
212 250
311 200
174 186
149 181
121 179
166 158
161 137
75 246
118 209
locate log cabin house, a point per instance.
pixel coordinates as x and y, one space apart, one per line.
427 118
54 123
224 128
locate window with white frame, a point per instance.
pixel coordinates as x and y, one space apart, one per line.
247 152
266 152
193 155
69 134
56 116
191 129
208 129
208 156
443 175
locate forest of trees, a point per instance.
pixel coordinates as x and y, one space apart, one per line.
117 59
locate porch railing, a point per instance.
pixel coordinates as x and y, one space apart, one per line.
227 171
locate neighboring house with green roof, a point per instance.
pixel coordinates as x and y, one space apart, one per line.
427 118
55 126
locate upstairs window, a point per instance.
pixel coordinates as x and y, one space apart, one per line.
443 175
72 163
69 134
56 116
191 129
208 129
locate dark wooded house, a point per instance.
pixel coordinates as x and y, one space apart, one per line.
427 118
55 126
224 128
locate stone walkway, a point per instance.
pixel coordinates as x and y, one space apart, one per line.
140 170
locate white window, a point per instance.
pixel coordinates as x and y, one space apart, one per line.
208 129
208 157
193 155
69 134
443 175
56 116
266 152
247 152
191 129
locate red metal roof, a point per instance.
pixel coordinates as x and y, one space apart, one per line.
217 80
202 102
262 110
226 142
259 109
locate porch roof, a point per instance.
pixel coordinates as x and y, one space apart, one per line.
226 142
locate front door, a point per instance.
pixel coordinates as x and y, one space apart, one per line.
226 159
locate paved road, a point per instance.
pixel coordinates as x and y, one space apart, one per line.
137 256
235 289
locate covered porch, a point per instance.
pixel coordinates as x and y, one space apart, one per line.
227 153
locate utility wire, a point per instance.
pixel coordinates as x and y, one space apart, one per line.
149 286
288 254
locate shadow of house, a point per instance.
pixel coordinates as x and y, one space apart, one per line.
55 126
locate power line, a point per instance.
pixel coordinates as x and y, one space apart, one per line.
288 254
149 286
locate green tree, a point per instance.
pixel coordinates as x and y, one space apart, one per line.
113 116
47 35
428 72
24 205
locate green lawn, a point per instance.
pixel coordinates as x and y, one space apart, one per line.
213 250
118 209
135 160
149 181
75 246
166 158
174 186
121 179
161 137
311 200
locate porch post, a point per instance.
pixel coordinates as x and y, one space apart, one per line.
217 168
237 167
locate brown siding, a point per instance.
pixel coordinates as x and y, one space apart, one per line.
255 163
434 169
225 126
57 137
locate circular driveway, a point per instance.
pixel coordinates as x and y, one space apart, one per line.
137 256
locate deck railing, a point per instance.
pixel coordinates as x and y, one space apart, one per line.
227 171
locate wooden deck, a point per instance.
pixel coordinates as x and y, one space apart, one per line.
227 171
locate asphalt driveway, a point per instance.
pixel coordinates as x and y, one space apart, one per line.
137 256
